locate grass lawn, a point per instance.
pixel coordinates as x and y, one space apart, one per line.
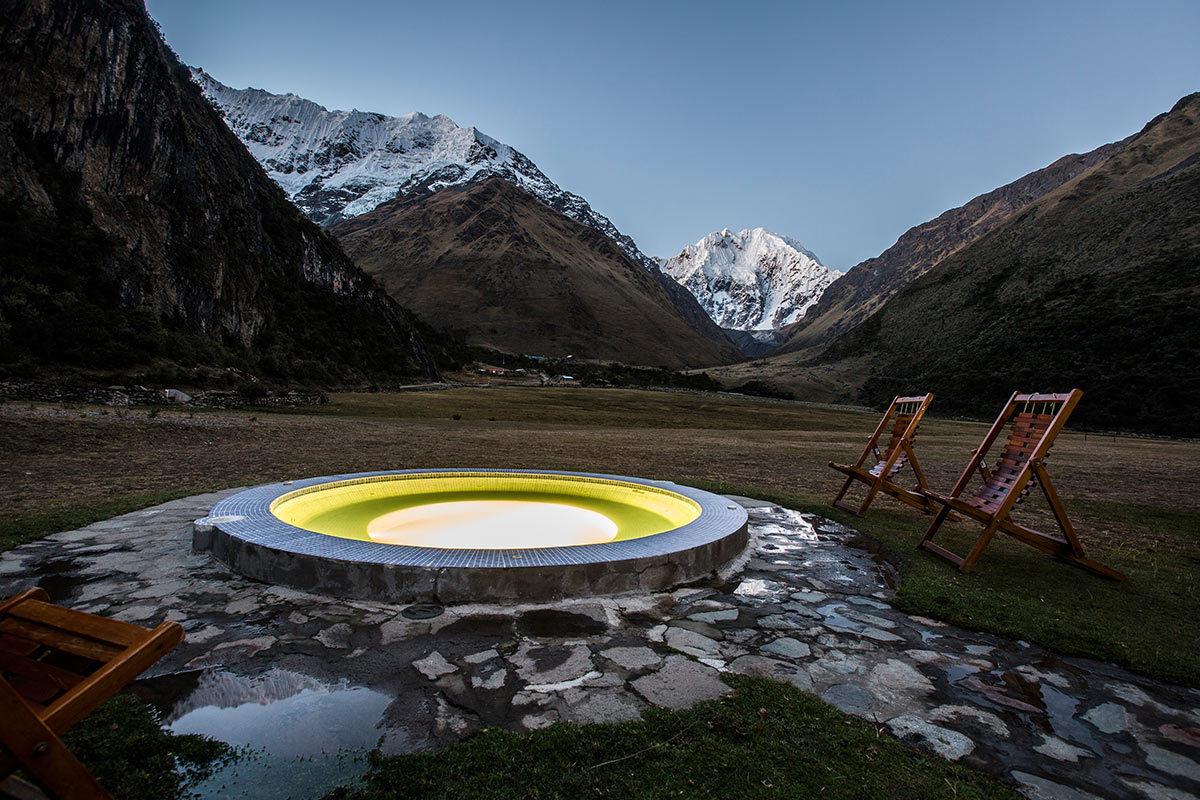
766 740
123 744
17 529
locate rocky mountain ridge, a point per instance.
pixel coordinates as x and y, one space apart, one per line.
336 165
1094 285
752 280
865 287
502 269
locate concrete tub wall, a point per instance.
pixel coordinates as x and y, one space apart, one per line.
404 584
243 533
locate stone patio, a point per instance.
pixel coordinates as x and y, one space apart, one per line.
806 604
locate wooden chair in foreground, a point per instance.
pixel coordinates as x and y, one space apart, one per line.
56 666
904 415
1035 420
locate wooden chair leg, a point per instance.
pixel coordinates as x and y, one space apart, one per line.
871 492
1076 555
842 493
933 526
1060 513
927 542
1097 567
856 510
980 544
43 754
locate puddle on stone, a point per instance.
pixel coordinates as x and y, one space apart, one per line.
481 628
304 737
823 552
956 672
549 623
60 578
1060 712
759 588
797 530
833 618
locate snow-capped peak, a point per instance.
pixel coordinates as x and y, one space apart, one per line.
751 280
339 164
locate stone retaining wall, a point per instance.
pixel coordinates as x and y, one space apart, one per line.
141 396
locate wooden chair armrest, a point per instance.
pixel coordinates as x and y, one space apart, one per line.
35 593
102 684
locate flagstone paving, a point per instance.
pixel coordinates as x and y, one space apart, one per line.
807 604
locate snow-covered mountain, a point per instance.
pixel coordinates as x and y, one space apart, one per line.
751 280
338 164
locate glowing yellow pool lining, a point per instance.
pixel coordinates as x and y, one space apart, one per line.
456 517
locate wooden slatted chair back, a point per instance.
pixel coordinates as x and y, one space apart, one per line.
1030 423
1026 431
900 422
904 411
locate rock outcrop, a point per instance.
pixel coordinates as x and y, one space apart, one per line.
137 228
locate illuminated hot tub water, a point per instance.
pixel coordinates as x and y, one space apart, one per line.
460 524
455 535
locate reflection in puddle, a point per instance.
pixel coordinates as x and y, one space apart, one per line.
825 552
838 621
1060 710
797 533
306 737
222 691
956 672
757 587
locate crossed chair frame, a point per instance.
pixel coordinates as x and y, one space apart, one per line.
1034 422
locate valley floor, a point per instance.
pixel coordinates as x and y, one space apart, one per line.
63 467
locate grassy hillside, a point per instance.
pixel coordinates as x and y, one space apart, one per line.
867 286
1096 286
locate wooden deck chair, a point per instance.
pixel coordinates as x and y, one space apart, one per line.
57 665
903 415
1035 421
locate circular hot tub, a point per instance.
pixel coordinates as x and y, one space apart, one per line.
456 536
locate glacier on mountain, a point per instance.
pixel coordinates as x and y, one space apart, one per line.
339 164
750 280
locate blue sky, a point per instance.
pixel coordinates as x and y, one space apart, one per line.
839 124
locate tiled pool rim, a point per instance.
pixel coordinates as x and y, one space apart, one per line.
242 533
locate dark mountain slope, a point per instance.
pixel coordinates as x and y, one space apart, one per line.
337 164
1096 285
136 228
510 272
867 286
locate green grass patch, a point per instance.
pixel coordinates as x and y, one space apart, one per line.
124 745
17 529
768 739
1148 624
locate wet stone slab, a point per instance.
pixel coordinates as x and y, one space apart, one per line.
808 605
